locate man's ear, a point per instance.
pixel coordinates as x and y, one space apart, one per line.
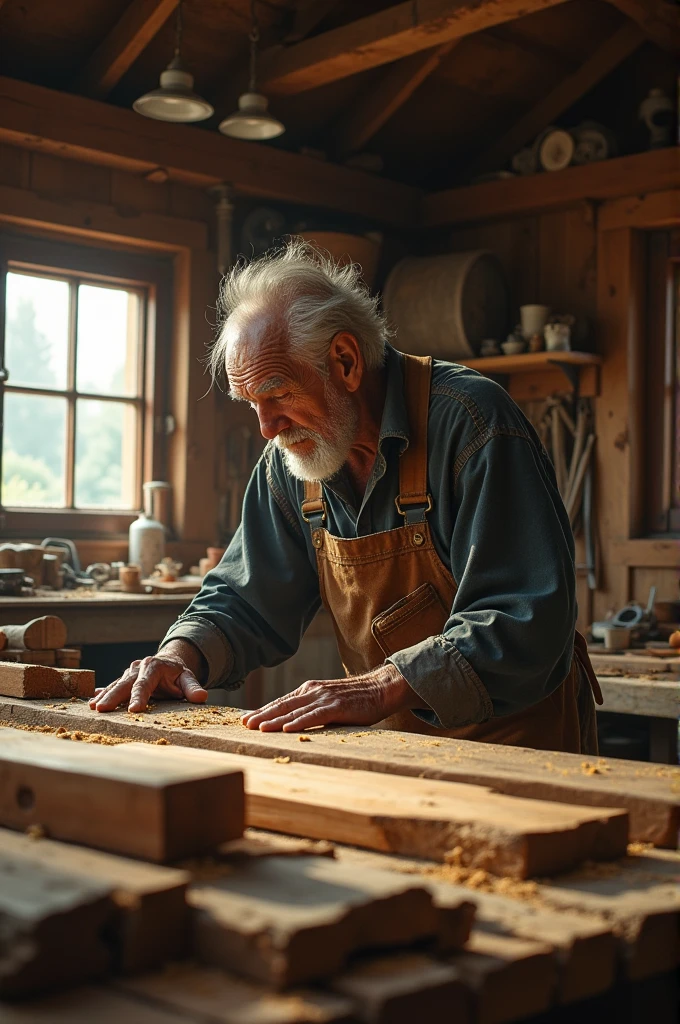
346 361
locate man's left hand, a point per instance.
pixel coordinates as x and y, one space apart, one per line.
360 700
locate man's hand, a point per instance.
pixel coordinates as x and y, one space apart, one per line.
361 700
170 675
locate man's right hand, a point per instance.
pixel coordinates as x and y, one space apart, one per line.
169 675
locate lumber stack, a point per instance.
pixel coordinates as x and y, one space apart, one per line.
271 932
35 663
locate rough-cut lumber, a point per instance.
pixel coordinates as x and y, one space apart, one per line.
48 658
398 84
152 916
548 107
290 920
78 128
415 817
634 663
93 1005
381 38
160 805
404 989
44 633
584 948
36 681
138 24
655 698
211 995
645 790
509 978
68 657
51 928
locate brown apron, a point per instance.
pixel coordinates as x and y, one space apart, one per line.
388 591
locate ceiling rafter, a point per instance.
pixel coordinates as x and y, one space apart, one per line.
397 85
382 38
309 14
612 52
658 19
138 24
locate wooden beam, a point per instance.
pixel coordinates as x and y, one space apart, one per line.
309 14
658 19
384 37
655 171
99 133
138 24
605 58
399 82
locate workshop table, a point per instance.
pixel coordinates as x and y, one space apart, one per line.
656 698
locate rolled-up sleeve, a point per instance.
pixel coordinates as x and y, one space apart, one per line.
253 609
508 641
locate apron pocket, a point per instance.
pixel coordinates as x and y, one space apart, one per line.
414 618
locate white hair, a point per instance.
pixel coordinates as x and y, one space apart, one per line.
317 298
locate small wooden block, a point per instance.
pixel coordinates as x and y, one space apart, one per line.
287 921
152 916
34 682
44 633
403 989
206 995
156 803
51 928
68 657
48 658
509 978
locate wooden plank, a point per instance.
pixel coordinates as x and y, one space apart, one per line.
635 663
584 948
508 977
40 681
359 124
287 921
645 790
507 835
85 1005
657 170
52 928
132 33
152 916
160 804
381 38
658 19
48 658
602 62
657 698
403 989
44 633
99 133
656 210
212 995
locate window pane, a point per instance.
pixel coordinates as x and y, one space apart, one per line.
33 454
108 341
36 339
106 454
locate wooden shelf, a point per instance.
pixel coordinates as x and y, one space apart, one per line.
635 175
535 375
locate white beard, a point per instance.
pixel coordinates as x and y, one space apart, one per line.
329 455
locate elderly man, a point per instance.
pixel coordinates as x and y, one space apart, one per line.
414 500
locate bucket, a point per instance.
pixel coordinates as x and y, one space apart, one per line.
445 306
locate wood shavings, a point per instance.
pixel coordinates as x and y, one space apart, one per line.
36 832
282 760
304 739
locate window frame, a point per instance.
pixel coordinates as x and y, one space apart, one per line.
114 265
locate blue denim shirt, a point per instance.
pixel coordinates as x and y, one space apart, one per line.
498 524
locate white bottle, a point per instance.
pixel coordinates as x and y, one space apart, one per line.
147 543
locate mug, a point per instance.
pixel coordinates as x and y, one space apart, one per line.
557 337
616 638
533 319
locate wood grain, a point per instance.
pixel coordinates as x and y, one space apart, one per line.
160 804
289 920
41 681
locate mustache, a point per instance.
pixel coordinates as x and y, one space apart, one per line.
294 435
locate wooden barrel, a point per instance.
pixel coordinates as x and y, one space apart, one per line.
445 306
345 248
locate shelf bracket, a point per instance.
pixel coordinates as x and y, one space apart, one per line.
572 373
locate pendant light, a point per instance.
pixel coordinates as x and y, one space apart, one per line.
251 120
175 100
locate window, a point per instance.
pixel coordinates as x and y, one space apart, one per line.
82 393
662 392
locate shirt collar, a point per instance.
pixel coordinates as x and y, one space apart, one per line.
394 421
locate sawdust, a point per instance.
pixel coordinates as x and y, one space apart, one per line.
36 832
198 718
78 736
304 739
282 760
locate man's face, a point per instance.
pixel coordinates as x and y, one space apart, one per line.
312 420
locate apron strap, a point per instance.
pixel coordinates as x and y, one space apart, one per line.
313 507
414 501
